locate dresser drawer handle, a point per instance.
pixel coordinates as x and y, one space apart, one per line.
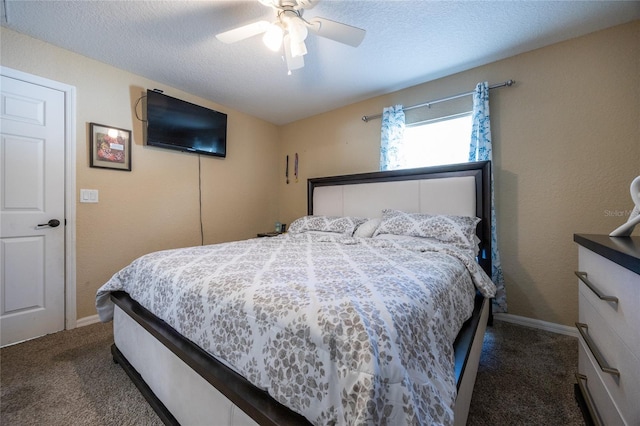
595 351
593 411
593 288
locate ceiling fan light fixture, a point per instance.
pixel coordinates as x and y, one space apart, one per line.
290 30
293 62
297 30
298 49
272 38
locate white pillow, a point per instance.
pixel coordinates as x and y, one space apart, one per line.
367 229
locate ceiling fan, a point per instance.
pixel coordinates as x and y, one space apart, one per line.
290 30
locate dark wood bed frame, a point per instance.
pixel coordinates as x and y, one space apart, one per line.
256 403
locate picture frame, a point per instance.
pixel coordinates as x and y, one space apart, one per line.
109 147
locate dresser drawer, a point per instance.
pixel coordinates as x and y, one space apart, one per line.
623 389
597 391
613 280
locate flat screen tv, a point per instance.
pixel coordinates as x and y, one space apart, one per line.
176 124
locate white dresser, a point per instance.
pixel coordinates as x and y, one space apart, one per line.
609 325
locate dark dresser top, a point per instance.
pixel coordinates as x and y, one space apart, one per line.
625 251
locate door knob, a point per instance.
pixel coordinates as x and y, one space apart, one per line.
52 223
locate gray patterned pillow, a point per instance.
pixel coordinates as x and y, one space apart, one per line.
456 230
342 225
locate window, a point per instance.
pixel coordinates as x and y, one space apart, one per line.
439 141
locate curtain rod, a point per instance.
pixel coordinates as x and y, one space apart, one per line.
366 118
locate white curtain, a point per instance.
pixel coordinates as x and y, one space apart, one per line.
391 138
480 150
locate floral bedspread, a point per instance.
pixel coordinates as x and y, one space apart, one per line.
342 330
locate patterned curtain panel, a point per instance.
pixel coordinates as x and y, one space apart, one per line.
391 138
480 150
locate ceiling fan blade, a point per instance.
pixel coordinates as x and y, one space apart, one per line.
337 31
293 63
244 32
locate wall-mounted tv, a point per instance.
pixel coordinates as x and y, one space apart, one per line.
176 124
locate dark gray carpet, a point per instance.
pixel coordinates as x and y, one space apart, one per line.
68 378
525 377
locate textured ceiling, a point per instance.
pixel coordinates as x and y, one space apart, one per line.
407 42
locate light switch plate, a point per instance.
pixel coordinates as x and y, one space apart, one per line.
88 195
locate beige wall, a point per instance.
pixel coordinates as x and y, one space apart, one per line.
566 142
155 206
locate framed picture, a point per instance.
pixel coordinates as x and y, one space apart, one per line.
109 147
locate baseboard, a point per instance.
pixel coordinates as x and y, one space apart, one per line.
539 324
87 320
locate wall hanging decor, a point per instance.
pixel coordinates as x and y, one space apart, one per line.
109 147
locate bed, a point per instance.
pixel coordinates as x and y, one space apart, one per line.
290 339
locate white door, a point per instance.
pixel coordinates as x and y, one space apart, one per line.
32 246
